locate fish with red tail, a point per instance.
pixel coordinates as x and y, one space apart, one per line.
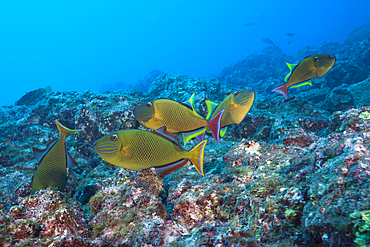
178 118
314 66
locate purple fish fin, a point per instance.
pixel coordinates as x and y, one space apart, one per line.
40 153
162 132
282 90
215 125
201 137
70 161
168 168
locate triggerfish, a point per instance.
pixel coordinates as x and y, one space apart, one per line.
236 107
139 149
314 66
53 162
178 118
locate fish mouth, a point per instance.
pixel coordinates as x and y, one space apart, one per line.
107 149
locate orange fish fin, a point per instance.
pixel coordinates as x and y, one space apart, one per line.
282 90
215 125
197 156
40 153
70 161
168 168
162 132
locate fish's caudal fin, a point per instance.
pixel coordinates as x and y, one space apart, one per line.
215 125
282 90
197 156
64 131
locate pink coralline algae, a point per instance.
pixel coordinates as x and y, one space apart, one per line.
48 217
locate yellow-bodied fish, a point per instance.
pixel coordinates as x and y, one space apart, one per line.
138 149
53 162
313 66
236 107
177 118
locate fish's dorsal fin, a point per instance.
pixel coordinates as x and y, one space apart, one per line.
190 102
64 131
290 66
186 105
70 161
162 132
40 153
211 107
168 168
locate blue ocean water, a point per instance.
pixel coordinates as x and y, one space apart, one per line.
81 45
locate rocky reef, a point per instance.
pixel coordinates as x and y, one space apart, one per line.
295 172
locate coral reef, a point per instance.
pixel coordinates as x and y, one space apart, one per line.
294 172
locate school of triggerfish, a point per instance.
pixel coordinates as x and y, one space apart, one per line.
139 149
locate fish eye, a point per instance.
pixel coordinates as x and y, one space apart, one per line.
317 59
114 137
236 94
149 104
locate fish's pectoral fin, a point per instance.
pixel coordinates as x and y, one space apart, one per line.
168 168
232 106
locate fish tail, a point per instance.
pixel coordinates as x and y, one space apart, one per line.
215 125
282 90
197 156
64 131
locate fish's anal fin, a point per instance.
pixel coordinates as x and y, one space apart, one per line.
302 84
187 136
201 137
162 132
282 90
164 170
223 131
40 153
70 161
